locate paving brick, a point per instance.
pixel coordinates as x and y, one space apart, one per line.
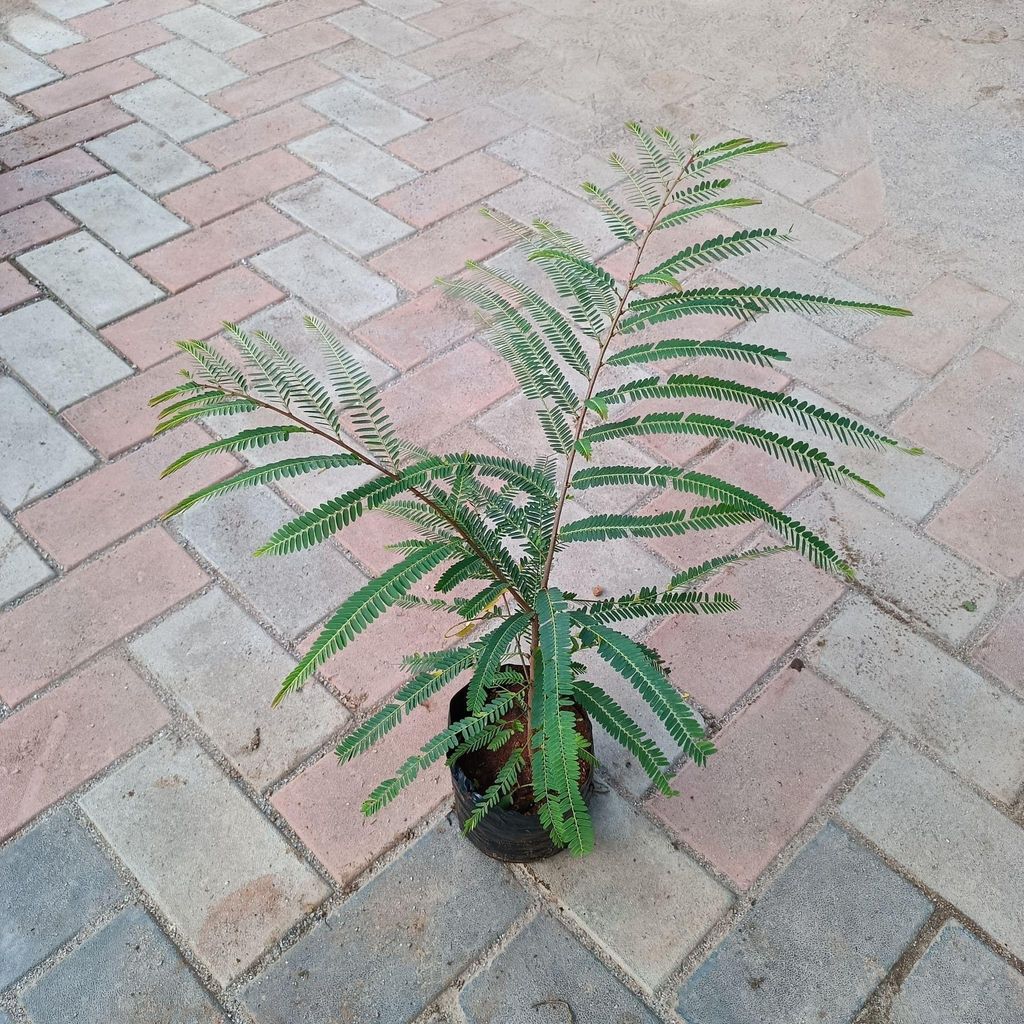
382 31
1002 650
170 809
21 568
123 43
451 19
858 202
52 745
639 896
149 160
285 16
172 110
815 945
552 112
937 830
12 116
56 133
464 50
209 28
552 158
87 87
298 41
30 226
14 289
19 72
274 87
374 70
40 35
57 629
336 970
56 355
227 689
544 966
406 9
370 116
124 15
191 67
963 977
446 140
53 882
198 312
342 289
52 174
38 455
898 565
125 972
256 134
354 161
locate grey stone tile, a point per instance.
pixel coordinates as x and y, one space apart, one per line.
19 72
56 355
191 67
377 119
40 35
559 161
209 28
544 974
128 972
53 882
354 161
959 979
222 874
11 116
226 686
125 218
937 830
292 593
403 934
96 284
145 157
332 283
171 109
21 568
392 35
813 947
374 70
65 9
36 452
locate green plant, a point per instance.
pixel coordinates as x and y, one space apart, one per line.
491 527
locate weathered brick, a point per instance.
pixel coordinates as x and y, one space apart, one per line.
298 41
450 19
145 157
858 202
21 568
284 16
1002 650
190 66
354 161
370 116
446 140
550 157
119 17
273 87
87 87
380 30
374 70
209 28
30 226
463 50
111 47
50 175
45 138
171 109
14 288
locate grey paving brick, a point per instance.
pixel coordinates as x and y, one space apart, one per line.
145 157
96 284
40 35
170 109
329 281
125 218
292 593
643 899
354 161
546 974
127 973
227 687
53 882
341 216
36 452
191 67
215 866
969 723
403 934
392 35
939 831
65 9
377 119
959 979
11 116
553 158
21 568
19 72
814 947
56 355
209 28
371 69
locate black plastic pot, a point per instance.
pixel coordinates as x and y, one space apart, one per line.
505 833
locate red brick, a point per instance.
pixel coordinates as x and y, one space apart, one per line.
255 95
190 258
775 764
253 135
108 504
96 604
83 56
441 249
54 174
443 141
293 43
124 15
78 90
53 745
61 132
1002 651
31 226
295 12
147 337
14 289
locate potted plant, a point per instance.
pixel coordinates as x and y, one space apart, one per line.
486 530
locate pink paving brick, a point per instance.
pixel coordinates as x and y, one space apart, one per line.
451 19
945 421
31 226
255 95
858 202
119 417
53 174
124 15
322 803
200 253
14 288
109 503
1002 651
253 135
407 334
85 611
441 249
53 745
776 763
78 90
299 41
295 12
443 141
91 54
61 132
148 337
449 188
718 658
